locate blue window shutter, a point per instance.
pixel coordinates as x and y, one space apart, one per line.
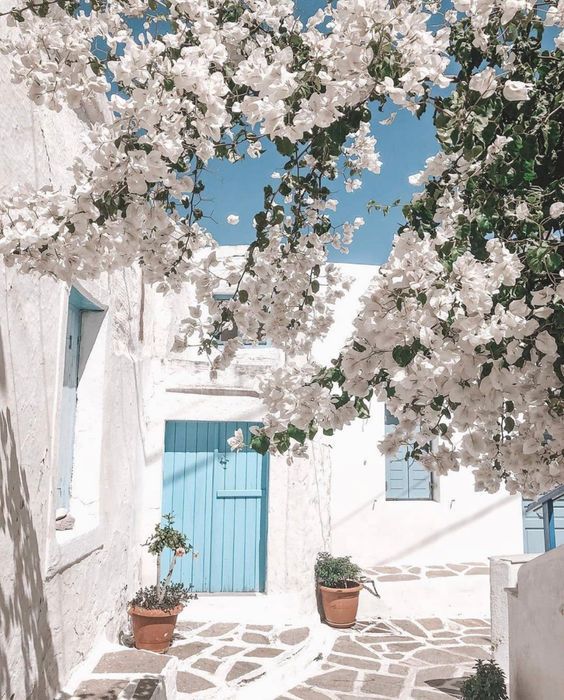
397 482
68 404
406 479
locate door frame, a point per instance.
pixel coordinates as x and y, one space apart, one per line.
263 525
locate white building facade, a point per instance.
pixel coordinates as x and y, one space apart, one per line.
426 546
84 431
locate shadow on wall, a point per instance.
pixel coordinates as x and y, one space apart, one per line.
24 624
447 530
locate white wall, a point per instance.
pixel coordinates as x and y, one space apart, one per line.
180 389
340 491
60 591
536 629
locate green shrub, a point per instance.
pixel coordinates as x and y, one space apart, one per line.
336 572
165 598
488 683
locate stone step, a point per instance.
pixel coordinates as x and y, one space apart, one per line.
149 688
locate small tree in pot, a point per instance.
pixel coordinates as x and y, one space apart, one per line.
339 585
154 609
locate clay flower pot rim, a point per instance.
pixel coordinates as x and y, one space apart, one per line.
155 612
351 589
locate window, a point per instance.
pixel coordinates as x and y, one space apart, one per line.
83 319
229 333
406 478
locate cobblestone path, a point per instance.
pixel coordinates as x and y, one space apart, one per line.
207 661
423 659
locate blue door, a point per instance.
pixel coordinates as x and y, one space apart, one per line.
219 500
533 527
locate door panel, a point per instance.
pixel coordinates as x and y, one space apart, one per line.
219 499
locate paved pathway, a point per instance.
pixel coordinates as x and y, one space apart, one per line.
406 572
208 660
421 659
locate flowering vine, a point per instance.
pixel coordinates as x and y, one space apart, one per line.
461 331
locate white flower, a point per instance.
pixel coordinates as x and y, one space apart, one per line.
546 343
484 82
521 211
516 90
254 149
556 210
233 219
236 442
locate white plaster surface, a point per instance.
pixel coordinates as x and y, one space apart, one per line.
536 629
335 499
503 576
60 592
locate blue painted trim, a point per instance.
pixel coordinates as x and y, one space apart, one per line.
548 525
79 301
253 493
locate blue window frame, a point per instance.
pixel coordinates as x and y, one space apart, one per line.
406 478
71 375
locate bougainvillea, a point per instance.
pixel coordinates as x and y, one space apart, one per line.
461 331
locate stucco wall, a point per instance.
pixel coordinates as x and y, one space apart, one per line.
60 591
339 491
536 629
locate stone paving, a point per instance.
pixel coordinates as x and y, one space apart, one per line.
208 661
413 573
407 659
424 659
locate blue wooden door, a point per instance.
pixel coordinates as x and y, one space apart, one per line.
533 527
219 500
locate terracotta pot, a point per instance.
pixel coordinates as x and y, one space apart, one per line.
153 629
340 604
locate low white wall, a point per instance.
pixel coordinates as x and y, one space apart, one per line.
536 629
503 576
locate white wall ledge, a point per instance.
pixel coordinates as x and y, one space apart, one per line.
213 390
71 552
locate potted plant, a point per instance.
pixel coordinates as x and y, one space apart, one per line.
487 683
339 584
154 609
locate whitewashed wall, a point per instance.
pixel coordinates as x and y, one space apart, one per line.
536 629
336 500
61 591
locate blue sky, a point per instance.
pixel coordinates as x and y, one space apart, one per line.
403 146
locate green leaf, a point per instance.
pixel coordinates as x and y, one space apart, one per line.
403 354
260 444
486 369
243 296
296 434
284 146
